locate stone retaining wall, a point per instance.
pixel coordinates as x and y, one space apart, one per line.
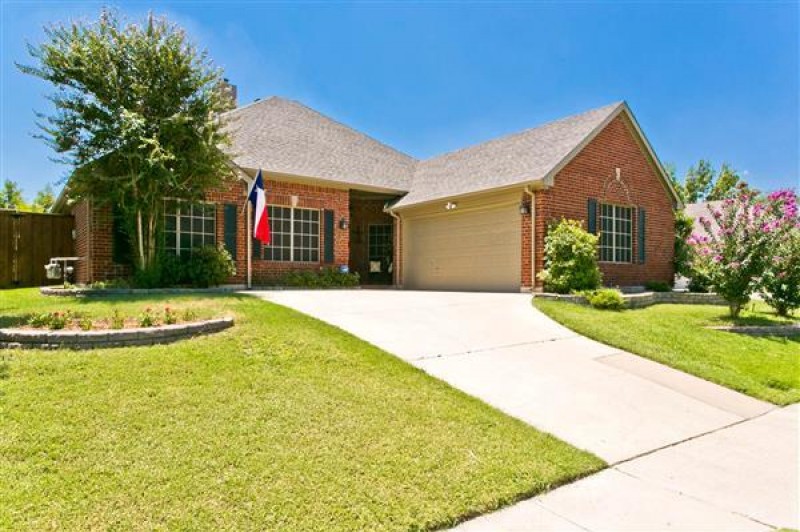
645 299
164 334
88 291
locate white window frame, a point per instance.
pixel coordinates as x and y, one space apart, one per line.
617 251
178 231
293 249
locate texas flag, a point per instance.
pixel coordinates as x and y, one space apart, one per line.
258 198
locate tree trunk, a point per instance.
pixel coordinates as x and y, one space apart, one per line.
140 240
735 308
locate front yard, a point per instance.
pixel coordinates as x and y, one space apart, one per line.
282 422
767 368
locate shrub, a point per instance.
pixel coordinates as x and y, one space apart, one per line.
111 284
780 283
189 315
147 318
59 320
606 299
325 278
571 258
117 319
40 320
657 286
85 323
170 316
683 251
209 266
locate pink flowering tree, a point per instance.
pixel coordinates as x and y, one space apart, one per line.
738 243
780 282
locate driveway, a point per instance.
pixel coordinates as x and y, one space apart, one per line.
685 453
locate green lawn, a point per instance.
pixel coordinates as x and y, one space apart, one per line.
282 422
676 335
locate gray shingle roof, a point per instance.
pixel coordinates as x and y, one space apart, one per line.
704 208
514 159
284 136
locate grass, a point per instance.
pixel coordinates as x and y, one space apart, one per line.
282 422
767 368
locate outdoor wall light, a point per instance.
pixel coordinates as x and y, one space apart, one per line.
450 205
524 209
343 223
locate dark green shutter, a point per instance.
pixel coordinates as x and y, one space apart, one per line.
256 248
641 235
231 222
120 241
328 227
591 216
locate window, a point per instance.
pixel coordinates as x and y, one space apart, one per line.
379 247
295 234
189 225
616 233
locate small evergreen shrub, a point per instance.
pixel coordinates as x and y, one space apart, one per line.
209 266
657 286
606 299
570 258
325 278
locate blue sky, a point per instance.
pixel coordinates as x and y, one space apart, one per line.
705 80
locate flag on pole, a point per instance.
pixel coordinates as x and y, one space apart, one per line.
258 198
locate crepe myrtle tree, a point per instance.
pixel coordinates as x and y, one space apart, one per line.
734 251
136 114
780 282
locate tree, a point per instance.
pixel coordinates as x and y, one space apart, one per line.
735 255
137 114
44 199
11 196
726 185
780 282
698 181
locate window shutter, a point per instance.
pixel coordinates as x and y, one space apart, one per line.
230 228
591 217
256 247
641 235
120 241
328 228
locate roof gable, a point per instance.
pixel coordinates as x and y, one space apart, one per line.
286 137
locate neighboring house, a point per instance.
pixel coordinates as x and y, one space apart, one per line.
703 209
473 219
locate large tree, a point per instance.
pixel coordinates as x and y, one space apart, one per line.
44 199
703 183
136 113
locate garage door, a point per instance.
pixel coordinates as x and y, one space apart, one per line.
464 250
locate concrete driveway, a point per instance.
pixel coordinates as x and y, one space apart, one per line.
685 453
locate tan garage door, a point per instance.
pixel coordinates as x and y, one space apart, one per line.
464 250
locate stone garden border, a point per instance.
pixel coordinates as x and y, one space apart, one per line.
645 299
88 291
762 330
71 339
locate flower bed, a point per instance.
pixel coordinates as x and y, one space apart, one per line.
82 339
645 299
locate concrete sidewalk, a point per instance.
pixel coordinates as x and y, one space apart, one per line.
647 420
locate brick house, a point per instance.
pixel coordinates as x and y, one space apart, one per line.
473 219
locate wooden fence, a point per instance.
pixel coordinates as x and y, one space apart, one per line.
27 241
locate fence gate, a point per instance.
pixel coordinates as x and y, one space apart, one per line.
27 241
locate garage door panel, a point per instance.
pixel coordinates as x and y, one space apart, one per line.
477 250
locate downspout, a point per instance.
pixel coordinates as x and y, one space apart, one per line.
398 249
532 195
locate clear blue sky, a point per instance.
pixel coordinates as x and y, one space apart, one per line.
706 80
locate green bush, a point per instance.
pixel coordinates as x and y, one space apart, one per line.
209 266
606 299
571 258
325 278
657 286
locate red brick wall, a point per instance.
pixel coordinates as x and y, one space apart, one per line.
93 227
93 230
591 174
525 220
311 197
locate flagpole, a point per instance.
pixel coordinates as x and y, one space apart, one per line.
249 246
